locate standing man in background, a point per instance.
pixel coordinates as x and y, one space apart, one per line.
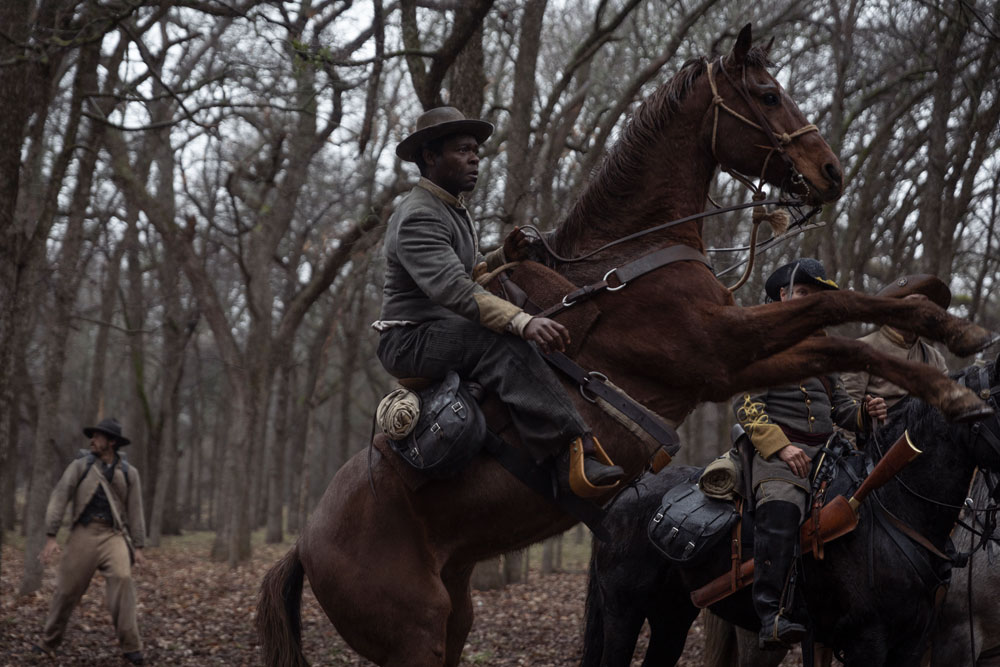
107 532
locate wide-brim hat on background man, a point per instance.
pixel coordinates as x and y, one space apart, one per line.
801 271
441 122
919 283
109 427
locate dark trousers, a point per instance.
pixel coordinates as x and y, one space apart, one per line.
540 408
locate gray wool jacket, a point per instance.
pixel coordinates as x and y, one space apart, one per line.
431 252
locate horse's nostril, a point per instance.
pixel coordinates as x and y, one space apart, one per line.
833 172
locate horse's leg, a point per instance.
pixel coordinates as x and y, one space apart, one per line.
622 624
772 327
817 355
456 581
670 617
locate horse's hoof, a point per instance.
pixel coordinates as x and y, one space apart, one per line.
961 404
974 414
973 339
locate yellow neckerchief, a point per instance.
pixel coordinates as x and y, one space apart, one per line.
896 338
441 193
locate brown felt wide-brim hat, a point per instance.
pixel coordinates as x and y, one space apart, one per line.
920 283
109 427
441 122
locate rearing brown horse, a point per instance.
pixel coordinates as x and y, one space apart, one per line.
391 569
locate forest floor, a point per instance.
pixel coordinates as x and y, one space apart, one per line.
193 611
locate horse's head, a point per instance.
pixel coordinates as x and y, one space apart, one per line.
756 129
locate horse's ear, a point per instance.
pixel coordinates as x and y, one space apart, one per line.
742 46
770 43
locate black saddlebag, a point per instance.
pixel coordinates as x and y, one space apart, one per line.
450 430
689 523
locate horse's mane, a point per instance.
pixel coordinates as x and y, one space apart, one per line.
616 176
914 415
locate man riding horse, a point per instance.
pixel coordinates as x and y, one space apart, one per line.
898 342
436 317
788 425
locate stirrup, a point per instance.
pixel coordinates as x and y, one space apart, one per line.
578 481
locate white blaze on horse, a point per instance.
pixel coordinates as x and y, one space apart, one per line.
391 568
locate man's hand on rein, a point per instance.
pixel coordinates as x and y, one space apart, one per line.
516 245
548 334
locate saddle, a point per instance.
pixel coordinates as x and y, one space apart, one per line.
689 523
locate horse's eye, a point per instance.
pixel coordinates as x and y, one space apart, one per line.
771 99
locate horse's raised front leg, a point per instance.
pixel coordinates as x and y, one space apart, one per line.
777 326
824 354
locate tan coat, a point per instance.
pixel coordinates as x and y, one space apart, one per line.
127 498
888 341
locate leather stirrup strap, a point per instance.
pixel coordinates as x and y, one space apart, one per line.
592 383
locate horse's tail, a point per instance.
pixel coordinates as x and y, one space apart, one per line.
593 635
279 619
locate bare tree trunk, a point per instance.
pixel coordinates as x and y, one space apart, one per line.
166 473
549 555
306 468
218 476
294 458
8 472
488 575
276 469
516 192
513 567
109 297
67 272
25 86
137 412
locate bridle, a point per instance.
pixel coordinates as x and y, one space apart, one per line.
778 142
778 145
